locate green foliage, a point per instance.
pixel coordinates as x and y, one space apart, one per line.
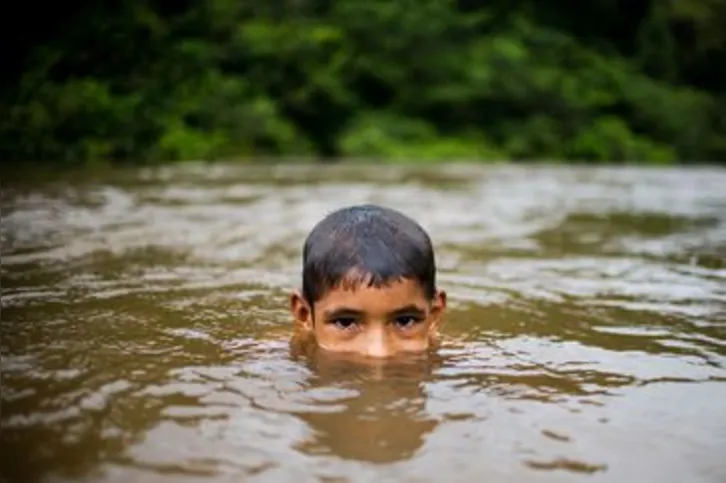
608 139
385 136
391 79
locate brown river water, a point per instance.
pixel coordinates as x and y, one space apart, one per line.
145 332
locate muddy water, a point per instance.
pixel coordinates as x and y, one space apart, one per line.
145 332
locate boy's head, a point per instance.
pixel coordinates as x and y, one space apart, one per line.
369 283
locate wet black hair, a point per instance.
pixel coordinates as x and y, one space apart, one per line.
366 244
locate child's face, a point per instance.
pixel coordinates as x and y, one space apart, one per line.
370 321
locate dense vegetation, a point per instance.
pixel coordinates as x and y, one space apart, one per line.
157 80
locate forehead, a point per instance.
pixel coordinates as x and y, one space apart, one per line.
361 296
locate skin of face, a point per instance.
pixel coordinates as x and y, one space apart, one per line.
376 322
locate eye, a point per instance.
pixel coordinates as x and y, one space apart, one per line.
407 321
344 323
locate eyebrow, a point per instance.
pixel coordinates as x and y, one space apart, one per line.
342 312
408 309
349 312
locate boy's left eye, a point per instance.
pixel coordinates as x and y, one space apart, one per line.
407 321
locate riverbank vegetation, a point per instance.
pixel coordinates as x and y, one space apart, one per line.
151 81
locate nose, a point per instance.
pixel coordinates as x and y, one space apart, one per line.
377 344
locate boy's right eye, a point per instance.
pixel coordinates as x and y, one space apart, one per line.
345 323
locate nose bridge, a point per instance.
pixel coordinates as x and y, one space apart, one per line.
377 343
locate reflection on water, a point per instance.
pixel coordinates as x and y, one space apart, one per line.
378 409
145 333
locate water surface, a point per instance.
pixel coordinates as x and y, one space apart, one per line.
145 329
